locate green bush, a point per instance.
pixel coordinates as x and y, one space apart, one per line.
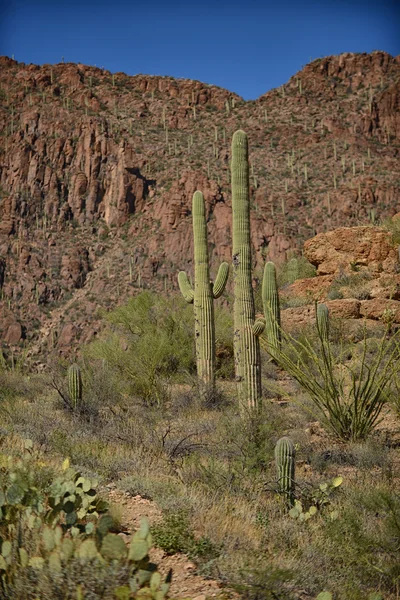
175 535
150 342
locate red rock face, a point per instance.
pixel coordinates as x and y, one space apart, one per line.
97 173
351 248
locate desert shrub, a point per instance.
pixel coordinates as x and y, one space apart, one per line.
293 269
261 581
174 535
370 526
393 226
348 394
335 293
149 342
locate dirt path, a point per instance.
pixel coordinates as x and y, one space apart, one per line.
185 582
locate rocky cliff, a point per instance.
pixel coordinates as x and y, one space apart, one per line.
97 171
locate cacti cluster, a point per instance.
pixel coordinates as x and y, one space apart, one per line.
285 455
247 328
203 294
74 386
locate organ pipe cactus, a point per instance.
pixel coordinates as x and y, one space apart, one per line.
75 385
285 455
246 328
203 294
272 312
323 322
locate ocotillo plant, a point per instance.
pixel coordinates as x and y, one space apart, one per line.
75 385
272 311
246 328
322 314
203 295
285 455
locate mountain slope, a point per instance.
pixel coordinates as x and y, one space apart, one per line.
97 172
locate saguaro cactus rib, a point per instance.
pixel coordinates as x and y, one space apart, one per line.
246 330
203 294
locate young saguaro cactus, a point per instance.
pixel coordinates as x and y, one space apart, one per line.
272 311
285 455
75 385
322 313
203 294
246 328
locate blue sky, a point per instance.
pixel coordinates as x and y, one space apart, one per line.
247 47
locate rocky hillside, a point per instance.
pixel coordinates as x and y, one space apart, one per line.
97 171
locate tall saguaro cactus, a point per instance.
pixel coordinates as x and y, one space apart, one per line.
203 294
272 312
246 328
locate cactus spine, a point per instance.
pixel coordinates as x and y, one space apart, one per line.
246 329
203 295
75 385
285 455
323 322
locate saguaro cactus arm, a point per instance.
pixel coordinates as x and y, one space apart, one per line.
185 287
220 280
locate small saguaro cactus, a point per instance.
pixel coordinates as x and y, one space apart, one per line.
246 328
322 314
203 294
75 385
292 270
272 311
285 455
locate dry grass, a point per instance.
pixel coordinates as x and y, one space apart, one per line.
218 469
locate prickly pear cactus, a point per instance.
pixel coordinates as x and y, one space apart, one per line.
246 328
75 385
272 311
323 322
203 295
285 455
